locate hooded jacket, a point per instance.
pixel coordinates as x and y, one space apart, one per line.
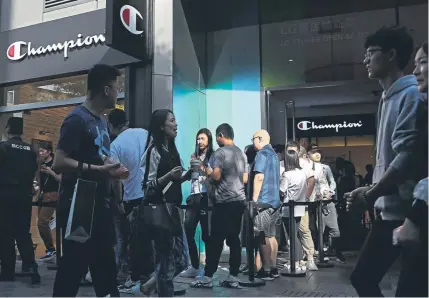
399 135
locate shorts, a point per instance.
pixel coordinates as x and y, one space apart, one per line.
266 221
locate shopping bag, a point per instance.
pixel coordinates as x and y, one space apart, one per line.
81 213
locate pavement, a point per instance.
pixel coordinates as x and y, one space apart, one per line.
327 282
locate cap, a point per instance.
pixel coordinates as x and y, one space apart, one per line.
313 148
15 125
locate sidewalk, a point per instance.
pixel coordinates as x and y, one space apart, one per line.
332 282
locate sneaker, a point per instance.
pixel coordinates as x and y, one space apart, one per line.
50 255
191 272
231 282
264 275
127 286
137 291
311 265
275 272
340 258
202 282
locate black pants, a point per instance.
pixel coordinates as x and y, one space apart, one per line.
298 247
140 245
74 263
376 256
15 220
225 225
194 216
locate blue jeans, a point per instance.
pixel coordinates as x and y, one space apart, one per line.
171 258
122 236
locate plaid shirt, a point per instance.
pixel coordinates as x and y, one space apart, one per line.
267 163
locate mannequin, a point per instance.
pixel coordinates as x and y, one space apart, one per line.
324 190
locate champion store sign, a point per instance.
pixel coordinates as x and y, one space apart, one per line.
19 50
129 16
311 125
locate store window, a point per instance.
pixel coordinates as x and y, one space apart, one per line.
55 89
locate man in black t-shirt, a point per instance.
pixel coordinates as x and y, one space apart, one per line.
82 148
49 183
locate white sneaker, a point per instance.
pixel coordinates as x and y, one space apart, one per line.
311 265
191 272
127 286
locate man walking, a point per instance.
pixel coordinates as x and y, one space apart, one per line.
398 154
266 192
83 145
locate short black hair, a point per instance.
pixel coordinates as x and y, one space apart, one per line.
424 46
117 118
393 37
293 144
100 75
46 146
226 130
15 125
279 148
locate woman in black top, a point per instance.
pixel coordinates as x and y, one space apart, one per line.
162 184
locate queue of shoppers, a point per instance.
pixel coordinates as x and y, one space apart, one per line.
137 222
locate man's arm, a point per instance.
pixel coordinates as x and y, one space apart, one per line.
218 160
311 182
117 190
259 169
331 179
405 142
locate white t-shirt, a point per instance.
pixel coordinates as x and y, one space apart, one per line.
317 171
199 186
128 148
294 185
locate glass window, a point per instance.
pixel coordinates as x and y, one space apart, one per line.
319 49
331 142
55 89
360 141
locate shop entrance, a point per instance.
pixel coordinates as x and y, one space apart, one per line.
309 113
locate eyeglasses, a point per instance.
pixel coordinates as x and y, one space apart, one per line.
252 139
371 52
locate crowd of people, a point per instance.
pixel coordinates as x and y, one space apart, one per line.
137 224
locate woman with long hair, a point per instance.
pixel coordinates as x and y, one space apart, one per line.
163 176
198 200
293 186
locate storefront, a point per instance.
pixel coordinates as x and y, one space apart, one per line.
43 75
351 137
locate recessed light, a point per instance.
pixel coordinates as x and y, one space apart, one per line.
290 60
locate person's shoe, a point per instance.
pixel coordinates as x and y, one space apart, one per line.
50 255
340 258
275 272
202 282
231 282
35 276
127 286
191 272
265 275
311 265
138 291
243 268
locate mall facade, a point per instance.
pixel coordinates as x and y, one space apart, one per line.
250 63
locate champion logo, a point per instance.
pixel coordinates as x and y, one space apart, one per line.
307 125
129 16
20 49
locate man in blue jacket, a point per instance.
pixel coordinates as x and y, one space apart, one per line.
398 151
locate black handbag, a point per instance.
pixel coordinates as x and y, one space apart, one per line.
162 217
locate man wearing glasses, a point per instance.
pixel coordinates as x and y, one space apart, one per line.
398 152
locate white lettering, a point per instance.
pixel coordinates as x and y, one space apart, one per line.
14 53
305 125
21 147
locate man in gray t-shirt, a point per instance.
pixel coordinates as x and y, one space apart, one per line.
231 161
228 178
